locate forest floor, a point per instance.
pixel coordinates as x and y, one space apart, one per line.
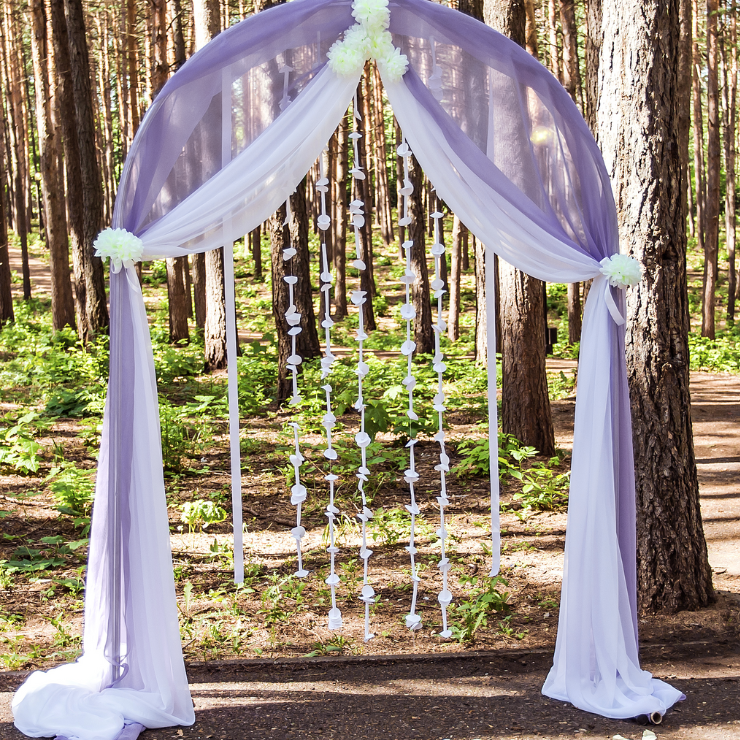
247 650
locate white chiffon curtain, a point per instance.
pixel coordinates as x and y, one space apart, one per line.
138 676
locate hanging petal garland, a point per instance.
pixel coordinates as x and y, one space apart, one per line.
122 247
369 38
413 620
362 438
438 251
329 420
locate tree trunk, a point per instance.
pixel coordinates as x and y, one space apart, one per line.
698 129
639 135
177 298
73 174
339 201
711 250
574 313
215 328
556 66
17 128
6 296
684 97
423 333
382 200
294 234
730 130
160 68
594 38
365 194
525 407
508 17
62 304
199 289
132 64
255 240
571 67
531 33
96 309
453 318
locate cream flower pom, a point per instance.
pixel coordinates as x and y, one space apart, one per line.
121 246
369 38
373 14
394 65
622 270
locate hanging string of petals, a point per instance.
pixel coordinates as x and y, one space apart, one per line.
298 490
362 438
438 251
413 620
329 420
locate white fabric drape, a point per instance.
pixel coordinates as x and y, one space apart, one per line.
249 189
596 664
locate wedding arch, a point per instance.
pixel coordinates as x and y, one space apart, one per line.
222 147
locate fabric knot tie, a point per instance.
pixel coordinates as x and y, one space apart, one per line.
369 38
122 247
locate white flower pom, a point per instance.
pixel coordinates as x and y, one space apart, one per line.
369 38
394 65
373 14
622 270
123 248
348 57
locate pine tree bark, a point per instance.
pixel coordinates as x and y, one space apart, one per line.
453 318
684 97
282 237
132 64
729 66
199 289
571 67
255 241
73 174
382 200
525 406
556 66
17 131
711 249
177 299
62 304
423 333
96 308
531 34
698 129
6 296
639 135
593 52
365 194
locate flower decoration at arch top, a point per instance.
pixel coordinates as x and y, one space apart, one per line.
122 247
369 38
